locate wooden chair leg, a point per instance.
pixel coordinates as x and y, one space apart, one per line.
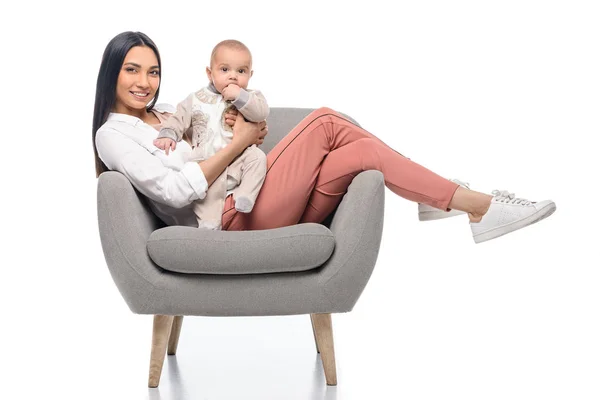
324 335
174 336
312 322
160 336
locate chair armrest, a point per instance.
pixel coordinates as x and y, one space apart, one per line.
125 223
357 226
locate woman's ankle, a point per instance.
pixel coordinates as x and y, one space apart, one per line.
470 201
478 212
475 217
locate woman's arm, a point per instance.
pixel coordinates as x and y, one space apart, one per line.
245 134
177 189
215 165
147 173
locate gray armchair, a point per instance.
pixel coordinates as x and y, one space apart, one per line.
169 272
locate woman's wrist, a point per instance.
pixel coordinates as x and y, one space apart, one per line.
236 147
215 165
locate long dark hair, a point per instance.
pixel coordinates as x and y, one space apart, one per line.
106 87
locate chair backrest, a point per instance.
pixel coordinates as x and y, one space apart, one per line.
281 121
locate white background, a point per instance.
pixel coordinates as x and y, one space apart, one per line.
504 95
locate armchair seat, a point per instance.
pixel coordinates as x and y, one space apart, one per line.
196 251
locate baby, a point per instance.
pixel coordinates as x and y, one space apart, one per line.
204 112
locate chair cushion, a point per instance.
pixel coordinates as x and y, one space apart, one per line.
197 251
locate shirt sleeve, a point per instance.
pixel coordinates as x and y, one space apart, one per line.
147 173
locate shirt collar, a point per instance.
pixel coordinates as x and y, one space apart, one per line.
212 88
129 119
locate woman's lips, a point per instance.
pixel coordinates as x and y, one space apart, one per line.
141 96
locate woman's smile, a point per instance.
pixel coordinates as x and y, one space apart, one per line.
137 82
140 96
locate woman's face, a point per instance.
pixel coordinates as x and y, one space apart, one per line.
138 80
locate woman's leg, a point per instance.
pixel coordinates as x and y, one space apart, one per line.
309 170
402 176
342 165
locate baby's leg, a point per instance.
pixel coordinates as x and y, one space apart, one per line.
253 166
208 210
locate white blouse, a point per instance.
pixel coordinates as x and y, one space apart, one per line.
125 144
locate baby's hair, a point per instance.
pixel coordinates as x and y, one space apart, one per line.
231 44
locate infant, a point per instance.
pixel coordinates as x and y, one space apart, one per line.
204 112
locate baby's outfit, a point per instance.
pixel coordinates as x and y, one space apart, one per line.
204 112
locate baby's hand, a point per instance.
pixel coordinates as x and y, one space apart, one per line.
165 144
231 92
230 116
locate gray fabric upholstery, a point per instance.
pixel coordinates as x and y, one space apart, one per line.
192 250
126 224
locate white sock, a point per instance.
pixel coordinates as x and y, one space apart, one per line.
244 204
209 225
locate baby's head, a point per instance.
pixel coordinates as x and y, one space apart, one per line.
230 62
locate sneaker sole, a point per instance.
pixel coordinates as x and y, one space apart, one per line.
438 214
503 230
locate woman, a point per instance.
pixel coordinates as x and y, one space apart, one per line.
308 171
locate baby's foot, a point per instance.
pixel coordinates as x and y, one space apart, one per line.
209 225
244 204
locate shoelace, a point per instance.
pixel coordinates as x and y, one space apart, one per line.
506 197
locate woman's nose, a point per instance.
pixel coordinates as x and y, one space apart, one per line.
142 81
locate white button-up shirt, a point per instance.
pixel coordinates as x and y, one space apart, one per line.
125 144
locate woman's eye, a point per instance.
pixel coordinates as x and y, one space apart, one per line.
130 69
154 73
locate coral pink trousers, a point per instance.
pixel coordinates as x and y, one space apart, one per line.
310 169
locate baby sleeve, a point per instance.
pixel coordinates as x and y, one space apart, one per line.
252 104
178 123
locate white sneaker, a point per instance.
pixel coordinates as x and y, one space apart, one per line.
508 213
428 213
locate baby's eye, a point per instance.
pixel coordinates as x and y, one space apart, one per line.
242 71
224 69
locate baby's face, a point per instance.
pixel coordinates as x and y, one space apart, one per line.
230 66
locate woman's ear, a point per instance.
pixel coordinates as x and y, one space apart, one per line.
209 74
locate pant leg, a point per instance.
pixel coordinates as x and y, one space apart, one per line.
343 164
209 210
253 166
296 162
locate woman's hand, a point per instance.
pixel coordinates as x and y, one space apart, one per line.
264 130
245 134
231 116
